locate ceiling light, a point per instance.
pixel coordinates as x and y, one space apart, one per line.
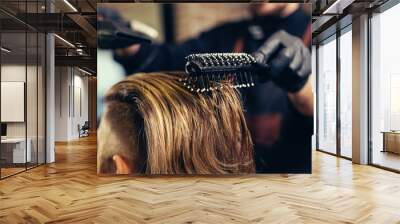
329 9
337 7
70 5
79 51
84 71
5 50
65 41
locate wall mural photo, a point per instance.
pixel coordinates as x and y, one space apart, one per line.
204 89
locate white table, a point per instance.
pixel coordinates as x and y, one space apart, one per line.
18 155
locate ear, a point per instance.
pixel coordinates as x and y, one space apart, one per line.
122 164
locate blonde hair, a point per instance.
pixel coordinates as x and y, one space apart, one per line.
164 128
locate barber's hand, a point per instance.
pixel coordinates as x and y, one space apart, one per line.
112 20
289 60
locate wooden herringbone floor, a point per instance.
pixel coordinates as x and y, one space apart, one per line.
69 191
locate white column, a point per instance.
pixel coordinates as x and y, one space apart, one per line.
360 90
50 98
314 84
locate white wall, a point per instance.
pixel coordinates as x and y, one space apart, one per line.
71 94
12 73
61 103
33 127
80 100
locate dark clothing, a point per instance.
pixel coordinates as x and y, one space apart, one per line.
282 135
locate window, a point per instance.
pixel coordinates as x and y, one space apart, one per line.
327 96
22 78
346 92
385 89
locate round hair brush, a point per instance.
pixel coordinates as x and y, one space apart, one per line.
207 71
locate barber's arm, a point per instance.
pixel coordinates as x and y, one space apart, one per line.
166 56
290 68
146 57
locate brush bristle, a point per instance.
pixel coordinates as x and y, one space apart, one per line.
207 71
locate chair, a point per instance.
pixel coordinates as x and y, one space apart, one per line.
84 129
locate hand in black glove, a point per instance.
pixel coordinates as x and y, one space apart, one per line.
113 32
289 60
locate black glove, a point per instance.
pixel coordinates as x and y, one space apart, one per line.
289 61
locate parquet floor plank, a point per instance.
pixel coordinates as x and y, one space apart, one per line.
69 191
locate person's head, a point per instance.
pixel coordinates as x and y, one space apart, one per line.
153 125
277 9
